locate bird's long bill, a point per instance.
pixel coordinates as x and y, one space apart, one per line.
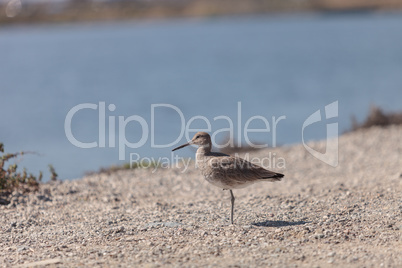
181 146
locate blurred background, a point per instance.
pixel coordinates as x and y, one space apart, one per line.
278 58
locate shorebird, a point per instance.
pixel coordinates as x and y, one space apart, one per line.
225 171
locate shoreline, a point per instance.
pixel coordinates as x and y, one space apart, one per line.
349 215
121 11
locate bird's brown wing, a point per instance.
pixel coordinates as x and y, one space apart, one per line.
238 169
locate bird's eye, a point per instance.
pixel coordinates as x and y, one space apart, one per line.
197 136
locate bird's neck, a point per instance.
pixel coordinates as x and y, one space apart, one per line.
201 154
204 149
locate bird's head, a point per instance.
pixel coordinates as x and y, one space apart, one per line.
200 138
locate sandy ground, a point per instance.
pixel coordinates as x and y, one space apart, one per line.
318 216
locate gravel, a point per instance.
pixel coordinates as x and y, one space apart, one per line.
318 216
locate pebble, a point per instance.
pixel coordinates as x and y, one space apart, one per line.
317 216
22 248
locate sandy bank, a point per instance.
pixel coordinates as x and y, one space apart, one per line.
318 215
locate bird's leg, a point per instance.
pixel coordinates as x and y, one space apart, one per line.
232 199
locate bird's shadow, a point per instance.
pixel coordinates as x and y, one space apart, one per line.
278 223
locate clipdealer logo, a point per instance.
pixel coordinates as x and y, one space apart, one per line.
111 127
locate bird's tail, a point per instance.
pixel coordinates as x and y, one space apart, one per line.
273 176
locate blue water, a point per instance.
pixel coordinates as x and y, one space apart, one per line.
282 65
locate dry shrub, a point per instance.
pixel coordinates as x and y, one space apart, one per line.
377 117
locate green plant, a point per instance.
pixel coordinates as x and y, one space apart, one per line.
53 173
11 178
